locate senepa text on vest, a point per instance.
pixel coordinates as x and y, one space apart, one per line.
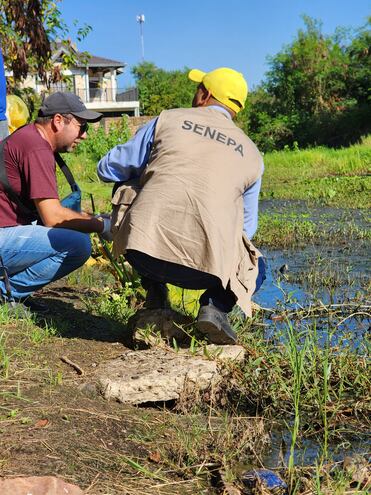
209 132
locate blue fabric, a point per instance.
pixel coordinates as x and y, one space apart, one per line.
261 274
35 256
127 161
2 89
73 200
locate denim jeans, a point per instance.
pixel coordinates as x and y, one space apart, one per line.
154 271
35 256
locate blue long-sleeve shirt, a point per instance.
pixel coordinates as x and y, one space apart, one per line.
2 89
127 161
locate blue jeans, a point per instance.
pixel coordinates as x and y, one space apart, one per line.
154 272
35 256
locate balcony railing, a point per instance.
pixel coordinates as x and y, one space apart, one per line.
107 94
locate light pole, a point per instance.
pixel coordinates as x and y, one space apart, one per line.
141 19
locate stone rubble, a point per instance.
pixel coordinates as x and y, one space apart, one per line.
159 374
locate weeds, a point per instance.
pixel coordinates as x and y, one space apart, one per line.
116 305
287 230
294 372
297 353
38 334
333 177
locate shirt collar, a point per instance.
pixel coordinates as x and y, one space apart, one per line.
220 109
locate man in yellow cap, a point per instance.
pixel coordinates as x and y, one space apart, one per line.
192 218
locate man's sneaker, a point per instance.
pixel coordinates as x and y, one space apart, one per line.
15 309
157 297
24 308
214 324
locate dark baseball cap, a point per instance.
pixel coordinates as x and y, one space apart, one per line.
67 103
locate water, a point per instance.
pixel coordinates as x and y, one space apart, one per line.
309 450
337 275
333 277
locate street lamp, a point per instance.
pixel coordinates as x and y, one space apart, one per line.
141 19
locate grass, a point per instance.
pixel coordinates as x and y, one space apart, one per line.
293 379
337 177
287 230
206 441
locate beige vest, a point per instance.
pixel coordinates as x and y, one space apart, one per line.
188 206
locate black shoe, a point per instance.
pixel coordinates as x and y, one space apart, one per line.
157 297
214 324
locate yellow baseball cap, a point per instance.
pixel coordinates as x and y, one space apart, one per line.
224 84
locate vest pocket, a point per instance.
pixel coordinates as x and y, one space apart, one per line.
122 199
248 266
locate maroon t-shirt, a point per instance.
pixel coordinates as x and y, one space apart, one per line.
30 167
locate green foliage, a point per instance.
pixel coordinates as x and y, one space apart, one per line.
117 305
98 142
160 89
316 91
32 100
336 177
27 29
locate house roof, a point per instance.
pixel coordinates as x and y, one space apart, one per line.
95 61
91 61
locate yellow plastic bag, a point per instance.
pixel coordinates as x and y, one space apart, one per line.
17 112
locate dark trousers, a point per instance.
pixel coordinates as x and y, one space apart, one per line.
154 271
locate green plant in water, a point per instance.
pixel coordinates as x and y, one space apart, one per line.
297 353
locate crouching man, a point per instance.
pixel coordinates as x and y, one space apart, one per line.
40 240
190 221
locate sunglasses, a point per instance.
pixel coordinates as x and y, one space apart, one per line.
83 127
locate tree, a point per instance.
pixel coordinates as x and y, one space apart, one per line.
27 29
359 52
160 89
310 74
315 92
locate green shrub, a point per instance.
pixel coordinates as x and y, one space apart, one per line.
98 142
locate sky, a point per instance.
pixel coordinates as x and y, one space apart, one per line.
203 34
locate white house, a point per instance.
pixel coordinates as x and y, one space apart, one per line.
95 80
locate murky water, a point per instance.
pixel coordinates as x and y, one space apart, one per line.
303 278
333 275
309 450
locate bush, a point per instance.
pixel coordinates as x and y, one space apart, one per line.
98 142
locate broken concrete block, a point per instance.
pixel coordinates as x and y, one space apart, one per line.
156 375
38 485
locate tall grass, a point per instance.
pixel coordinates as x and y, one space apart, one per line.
333 176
